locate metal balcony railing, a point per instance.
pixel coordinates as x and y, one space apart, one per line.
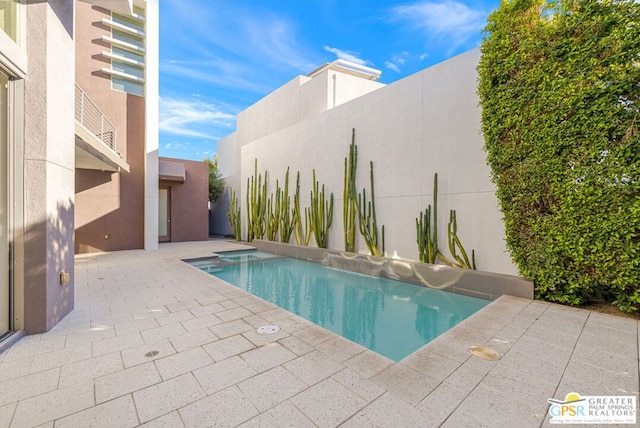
90 116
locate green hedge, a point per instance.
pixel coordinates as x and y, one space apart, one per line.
559 89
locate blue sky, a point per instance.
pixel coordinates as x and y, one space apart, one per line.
219 57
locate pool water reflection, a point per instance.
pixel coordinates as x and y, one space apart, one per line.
390 317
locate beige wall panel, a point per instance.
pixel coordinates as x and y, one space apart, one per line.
49 161
425 123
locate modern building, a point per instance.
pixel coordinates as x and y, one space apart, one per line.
183 209
424 124
78 146
116 84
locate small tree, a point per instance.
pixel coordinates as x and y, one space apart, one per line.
216 184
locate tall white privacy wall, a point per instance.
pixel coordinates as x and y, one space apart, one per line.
426 123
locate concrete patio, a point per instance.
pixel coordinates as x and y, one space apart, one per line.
155 342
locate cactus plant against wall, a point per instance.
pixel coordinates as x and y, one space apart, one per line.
302 229
249 208
349 208
234 215
320 213
256 204
273 214
427 229
356 204
427 236
367 219
287 215
462 260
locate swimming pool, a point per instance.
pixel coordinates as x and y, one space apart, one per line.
389 317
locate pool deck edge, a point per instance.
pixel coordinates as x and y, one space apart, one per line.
154 340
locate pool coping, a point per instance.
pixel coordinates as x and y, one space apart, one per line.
394 290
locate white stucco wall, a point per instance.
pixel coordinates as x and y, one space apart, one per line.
152 102
277 110
426 123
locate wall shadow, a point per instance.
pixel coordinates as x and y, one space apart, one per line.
48 247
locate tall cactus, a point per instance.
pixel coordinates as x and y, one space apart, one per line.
287 215
320 214
273 214
452 235
427 229
256 204
367 219
234 215
302 229
427 236
358 205
249 212
349 207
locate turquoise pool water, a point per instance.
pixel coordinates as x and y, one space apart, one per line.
389 317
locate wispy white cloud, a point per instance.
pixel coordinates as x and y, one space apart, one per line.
193 150
273 40
191 118
206 153
397 61
236 45
392 66
176 145
444 19
346 55
221 73
401 58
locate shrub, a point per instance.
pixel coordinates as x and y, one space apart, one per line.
559 89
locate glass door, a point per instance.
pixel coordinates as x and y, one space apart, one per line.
164 214
5 274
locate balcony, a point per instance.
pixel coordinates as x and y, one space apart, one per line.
120 6
96 137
